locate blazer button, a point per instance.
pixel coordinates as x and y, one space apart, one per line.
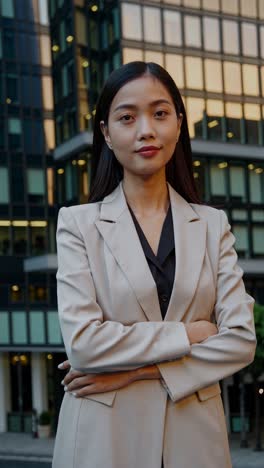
164 298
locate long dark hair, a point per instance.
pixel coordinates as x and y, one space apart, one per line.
106 171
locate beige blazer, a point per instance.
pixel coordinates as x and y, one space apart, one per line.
111 321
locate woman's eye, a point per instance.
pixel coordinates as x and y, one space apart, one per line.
161 113
126 118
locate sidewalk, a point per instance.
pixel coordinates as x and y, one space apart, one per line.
23 447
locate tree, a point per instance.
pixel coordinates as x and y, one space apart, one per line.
257 368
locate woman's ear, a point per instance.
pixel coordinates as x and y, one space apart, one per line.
104 130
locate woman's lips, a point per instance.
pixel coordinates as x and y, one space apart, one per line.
148 152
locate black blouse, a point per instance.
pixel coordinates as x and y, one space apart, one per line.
162 265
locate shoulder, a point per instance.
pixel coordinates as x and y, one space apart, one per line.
216 218
88 212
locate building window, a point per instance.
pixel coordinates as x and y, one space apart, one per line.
131 22
151 56
20 240
152 24
230 6
53 327
50 185
211 34
7 8
81 30
4 185
256 183
16 293
37 293
38 244
172 28
4 328
241 244
36 185
250 80
174 66
49 134
192 31
37 327
252 117
130 55
14 133
191 3
213 76
232 78
261 9
257 238
239 215
237 184
215 113
12 87
218 181
194 72
19 327
45 50
249 40
195 112
5 246
233 112
211 5
47 92
9 44
248 8
230 37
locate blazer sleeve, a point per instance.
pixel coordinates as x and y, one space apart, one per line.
234 346
95 345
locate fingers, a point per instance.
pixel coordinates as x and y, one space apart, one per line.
71 376
85 391
77 382
64 365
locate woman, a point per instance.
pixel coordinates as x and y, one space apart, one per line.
152 306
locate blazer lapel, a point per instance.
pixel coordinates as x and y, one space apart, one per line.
118 230
190 245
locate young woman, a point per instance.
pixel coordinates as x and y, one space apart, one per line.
152 306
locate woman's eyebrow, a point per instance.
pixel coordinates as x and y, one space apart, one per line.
134 107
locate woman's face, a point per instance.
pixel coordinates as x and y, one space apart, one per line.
143 127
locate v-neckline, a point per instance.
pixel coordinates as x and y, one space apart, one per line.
153 256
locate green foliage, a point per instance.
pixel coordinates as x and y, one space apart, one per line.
257 367
44 418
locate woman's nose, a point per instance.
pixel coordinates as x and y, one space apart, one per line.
145 129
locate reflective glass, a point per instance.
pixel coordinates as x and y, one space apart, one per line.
174 2
252 116
211 34
237 184
230 37
230 6
36 327
54 334
50 185
43 11
151 56
218 182
250 79
131 21
194 72
261 30
174 65
152 24
195 112
232 78
130 55
49 133
172 27
258 236
213 75
4 328
7 8
36 185
5 246
261 8
240 215
20 240
213 5
215 112
257 215
233 121
38 240
256 185
4 185
241 243
45 50
249 39
19 327
192 3
262 79
47 92
192 31
248 8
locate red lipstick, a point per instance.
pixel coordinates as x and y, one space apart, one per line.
148 151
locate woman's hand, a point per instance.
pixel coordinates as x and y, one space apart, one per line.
200 330
81 385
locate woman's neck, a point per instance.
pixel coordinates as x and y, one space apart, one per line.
146 197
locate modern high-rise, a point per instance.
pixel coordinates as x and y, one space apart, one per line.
214 49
